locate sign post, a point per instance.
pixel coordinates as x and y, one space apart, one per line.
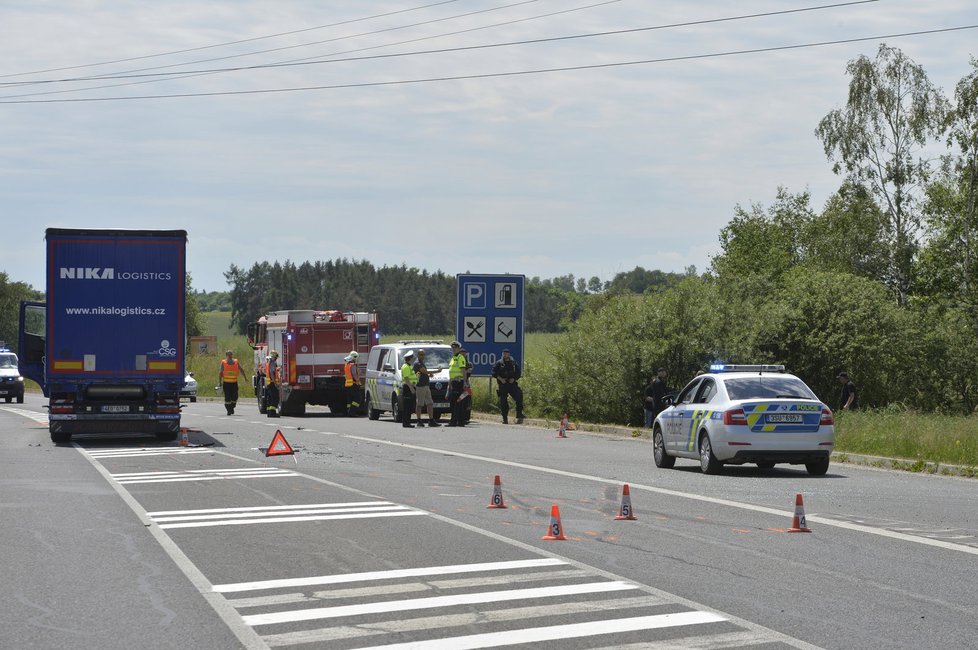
489 318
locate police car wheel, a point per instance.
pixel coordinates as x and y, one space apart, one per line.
662 459
708 462
395 408
20 399
818 467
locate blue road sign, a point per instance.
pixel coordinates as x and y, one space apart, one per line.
489 318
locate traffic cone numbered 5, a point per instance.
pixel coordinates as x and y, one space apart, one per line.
496 501
556 530
798 523
626 512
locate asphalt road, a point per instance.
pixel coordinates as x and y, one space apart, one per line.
375 535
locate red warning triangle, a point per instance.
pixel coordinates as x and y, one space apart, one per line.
280 446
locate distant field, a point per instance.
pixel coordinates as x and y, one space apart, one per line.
216 323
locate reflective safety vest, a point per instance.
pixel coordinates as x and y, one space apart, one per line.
348 370
408 376
456 367
230 371
271 371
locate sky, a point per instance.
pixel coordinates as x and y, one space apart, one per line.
445 140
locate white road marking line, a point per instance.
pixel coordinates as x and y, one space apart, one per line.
266 513
285 519
553 632
738 640
388 575
348 504
785 514
322 635
437 601
40 418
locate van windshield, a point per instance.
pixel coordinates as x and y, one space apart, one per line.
437 357
8 360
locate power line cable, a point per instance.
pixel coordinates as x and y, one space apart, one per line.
490 75
318 60
328 40
238 42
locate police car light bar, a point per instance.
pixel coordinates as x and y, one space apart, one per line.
732 367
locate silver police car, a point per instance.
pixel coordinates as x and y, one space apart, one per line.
737 414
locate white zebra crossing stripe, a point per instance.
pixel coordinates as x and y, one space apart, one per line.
554 632
202 475
151 451
288 583
317 613
279 514
400 626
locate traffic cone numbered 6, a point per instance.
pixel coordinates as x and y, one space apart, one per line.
798 523
556 530
626 512
496 501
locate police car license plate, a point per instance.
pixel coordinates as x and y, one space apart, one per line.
784 418
3 392
115 408
441 405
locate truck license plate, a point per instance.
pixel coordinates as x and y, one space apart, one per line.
784 418
115 408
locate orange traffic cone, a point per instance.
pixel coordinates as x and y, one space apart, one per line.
497 495
626 512
562 431
798 523
184 438
556 530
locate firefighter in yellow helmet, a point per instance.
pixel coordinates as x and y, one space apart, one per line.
272 377
351 383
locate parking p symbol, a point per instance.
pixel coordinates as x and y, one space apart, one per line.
475 295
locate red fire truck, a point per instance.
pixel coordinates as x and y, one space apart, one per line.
311 348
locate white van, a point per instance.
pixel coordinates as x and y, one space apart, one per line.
384 376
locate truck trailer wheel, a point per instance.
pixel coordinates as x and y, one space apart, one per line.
58 436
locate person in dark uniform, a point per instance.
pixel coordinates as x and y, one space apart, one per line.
507 375
659 392
850 396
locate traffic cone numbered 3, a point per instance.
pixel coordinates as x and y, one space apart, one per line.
556 530
626 512
496 501
798 523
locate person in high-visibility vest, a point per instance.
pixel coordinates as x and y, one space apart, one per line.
227 378
409 386
271 384
457 372
351 383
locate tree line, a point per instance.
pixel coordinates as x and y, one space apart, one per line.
882 282
409 300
